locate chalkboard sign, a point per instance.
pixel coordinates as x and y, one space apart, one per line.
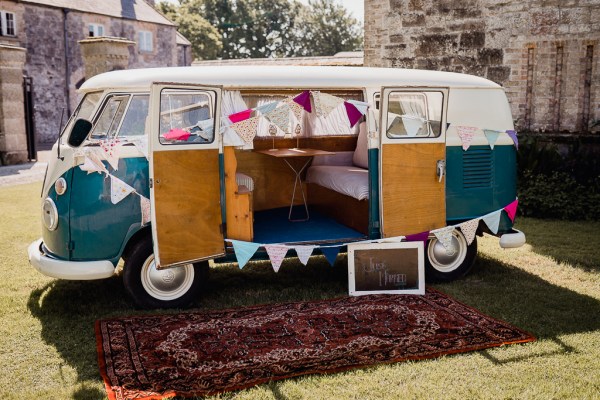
386 268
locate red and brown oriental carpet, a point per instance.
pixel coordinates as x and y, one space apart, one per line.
200 353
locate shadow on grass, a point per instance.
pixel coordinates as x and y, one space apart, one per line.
572 242
67 310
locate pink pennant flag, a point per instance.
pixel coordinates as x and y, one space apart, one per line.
145 207
513 136
418 237
466 134
276 253
177 134
511 209
240 116
353 114
304 100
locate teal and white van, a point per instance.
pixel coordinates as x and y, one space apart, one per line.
164 167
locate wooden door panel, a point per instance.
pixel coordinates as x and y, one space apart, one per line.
413 200
187 210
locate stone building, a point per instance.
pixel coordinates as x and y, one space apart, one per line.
544 52
51 41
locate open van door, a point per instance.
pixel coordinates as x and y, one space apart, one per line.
412 160
185 180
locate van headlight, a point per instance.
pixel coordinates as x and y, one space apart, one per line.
49 214
60 186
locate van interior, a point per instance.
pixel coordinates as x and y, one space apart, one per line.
331 202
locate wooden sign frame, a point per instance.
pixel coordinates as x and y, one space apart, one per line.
396 268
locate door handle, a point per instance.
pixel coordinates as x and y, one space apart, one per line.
440 169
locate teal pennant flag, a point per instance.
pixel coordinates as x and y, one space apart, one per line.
244 251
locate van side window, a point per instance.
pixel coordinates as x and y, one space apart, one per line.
134 122
414 114
107 124
186 116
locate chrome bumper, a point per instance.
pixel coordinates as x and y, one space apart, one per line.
70 270
512 240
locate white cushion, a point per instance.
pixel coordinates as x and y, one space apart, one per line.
361 153
351 181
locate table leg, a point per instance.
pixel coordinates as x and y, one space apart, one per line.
298 182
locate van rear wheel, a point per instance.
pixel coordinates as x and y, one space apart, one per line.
442 265
167 288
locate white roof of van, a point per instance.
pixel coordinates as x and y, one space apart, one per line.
231 77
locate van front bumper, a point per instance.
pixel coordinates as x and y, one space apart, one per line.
512 240
70 270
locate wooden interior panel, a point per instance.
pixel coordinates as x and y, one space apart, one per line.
344 209
412 198
273 179
238 206
187 205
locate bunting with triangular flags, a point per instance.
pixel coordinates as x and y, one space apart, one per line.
303 99
444 235
240 116
330 253
145 208
511 209
316 96
492 220
246 129
295 107
280 116
119 189
276 254
491 136
304 253
110 150
93 163
243 251
513 136
466 134
469 229
353 114
418 237
329 102
265 108
361 106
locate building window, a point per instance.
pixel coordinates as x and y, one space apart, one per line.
145 40
95 30
9 26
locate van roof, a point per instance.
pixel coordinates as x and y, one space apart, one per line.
259 76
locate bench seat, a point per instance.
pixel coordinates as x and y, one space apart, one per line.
345 179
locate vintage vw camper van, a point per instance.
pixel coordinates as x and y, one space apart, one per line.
164 167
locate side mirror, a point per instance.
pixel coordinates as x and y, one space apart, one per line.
80 131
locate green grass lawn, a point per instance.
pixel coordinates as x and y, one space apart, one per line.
550 287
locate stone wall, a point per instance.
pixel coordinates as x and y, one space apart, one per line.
544 52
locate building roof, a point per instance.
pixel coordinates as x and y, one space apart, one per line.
182 40
347 58
137 10
291 77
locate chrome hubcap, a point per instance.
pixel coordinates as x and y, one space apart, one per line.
166 284
447 260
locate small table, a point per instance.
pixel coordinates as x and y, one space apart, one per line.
291 153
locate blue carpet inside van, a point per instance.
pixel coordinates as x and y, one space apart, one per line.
272 226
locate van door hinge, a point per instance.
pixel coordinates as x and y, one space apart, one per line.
151 183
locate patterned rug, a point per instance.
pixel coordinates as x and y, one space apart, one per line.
195 354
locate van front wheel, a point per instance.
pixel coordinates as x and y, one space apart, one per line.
442 265
167 288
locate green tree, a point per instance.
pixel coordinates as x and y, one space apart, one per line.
265 28
330 29
205 38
